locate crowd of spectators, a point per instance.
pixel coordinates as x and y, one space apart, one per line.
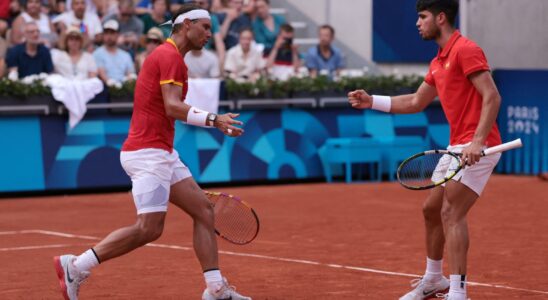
110 39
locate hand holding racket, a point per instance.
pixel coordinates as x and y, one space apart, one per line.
432 168
235 220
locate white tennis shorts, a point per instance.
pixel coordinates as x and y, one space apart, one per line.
476 176
152 173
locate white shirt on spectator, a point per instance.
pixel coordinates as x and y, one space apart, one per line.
204 66
244 65
63 65
90 6
42 22
91 22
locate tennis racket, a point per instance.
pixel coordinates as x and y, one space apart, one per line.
432 168
235 220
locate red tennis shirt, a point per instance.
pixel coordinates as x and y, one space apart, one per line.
150 126
460 100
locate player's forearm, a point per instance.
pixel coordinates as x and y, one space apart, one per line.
488 117
406 104
177 109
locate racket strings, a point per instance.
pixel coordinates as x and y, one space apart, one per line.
425 170
233 219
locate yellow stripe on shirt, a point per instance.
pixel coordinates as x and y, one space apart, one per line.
171 81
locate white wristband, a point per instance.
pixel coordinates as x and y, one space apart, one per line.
382 103
196 117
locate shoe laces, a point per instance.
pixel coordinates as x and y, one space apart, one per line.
416 282
227 286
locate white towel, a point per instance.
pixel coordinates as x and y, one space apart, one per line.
204 94
74 94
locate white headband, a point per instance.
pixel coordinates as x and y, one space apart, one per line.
191 15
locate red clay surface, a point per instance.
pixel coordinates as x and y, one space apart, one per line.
375 226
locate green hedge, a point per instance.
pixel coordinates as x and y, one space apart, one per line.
321 86
263 88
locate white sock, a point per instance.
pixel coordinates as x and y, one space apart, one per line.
457 287
86 261
433 270
214 280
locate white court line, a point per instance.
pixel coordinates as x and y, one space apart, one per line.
299 261
36 247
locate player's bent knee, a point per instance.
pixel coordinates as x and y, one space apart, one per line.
149 234
449 215
431 212
149 230
205 214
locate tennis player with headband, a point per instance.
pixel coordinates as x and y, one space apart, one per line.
157 174
460 76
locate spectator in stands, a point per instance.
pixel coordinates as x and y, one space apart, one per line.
14 11
266 26
158 15
32 13
325 59
283 60
154 38
221 6
233 21
59 8
30 57
92 6
114 64
216 42
130 26
245 61
3 50
4 16
87 22
202 64
73 62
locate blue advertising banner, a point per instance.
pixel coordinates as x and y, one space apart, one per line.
40 153
395 35
524 114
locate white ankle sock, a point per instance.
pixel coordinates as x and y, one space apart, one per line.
86 261
457 287
213 279
434 270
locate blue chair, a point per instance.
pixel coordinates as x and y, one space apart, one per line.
397 150
351 125
349 151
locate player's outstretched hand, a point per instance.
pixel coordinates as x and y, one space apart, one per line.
360 99
225 123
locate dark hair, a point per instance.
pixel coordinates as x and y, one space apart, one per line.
449 7
267 2
286 27
329 27
184 9
246 29
165 1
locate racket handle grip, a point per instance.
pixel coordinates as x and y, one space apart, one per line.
503 147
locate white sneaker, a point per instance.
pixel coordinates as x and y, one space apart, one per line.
445 296
69 277
426 290
225 291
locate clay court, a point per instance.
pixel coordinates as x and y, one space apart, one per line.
317 241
